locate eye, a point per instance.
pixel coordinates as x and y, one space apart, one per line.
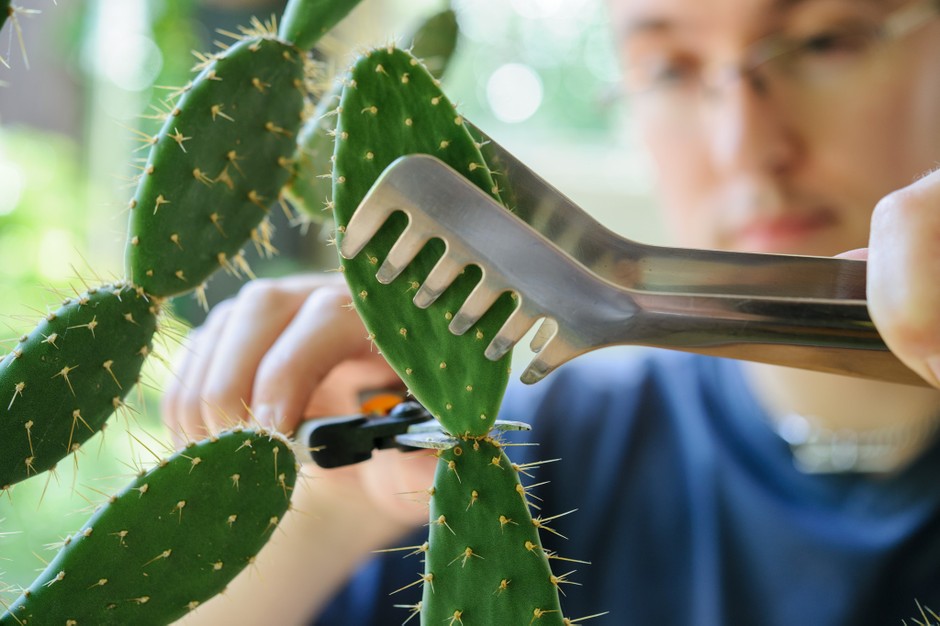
832 42
662 72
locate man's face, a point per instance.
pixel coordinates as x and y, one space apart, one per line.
795 158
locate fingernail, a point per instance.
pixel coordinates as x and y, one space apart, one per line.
268 416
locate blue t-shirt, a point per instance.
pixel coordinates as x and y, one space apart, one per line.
691 511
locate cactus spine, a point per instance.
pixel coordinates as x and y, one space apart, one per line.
484 564
196 519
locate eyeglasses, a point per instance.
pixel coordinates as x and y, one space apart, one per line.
831 61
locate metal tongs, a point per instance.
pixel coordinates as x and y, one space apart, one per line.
592 288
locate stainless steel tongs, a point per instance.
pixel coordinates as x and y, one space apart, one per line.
593 288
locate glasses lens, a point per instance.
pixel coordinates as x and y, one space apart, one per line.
823 59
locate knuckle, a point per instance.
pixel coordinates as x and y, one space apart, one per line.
334 295
216 394
903 204
216 314
190 403
263 289
275 367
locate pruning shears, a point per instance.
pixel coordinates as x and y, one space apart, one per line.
348 439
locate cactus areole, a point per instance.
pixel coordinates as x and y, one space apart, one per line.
172 539
392 106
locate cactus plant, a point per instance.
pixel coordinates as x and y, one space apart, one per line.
484 559
195 519
206 185
218 162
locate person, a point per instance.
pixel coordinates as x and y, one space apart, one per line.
791 126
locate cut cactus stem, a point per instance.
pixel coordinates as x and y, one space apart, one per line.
64 379
170 540
485 558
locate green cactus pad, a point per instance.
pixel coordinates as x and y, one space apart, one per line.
220 159
485 563
391 106
172 539
435 41
306 21
65 378
310 186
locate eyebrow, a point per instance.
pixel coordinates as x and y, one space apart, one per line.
643 25
651 24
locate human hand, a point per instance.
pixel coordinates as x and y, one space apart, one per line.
290 349
904 274
286 348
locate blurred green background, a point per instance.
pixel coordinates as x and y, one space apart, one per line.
538 75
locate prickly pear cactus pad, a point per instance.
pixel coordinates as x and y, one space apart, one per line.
310 186
391 106
172 539
486 564
64 379
220 159
435 41
306 21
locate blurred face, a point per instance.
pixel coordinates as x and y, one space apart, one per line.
777 125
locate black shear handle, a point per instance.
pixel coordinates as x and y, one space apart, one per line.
339 441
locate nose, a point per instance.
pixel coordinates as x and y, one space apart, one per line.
750 131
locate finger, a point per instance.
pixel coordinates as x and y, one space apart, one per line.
258 316
188 401
859 254
173 389
322 335
903 265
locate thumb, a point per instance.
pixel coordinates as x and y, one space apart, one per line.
904 275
